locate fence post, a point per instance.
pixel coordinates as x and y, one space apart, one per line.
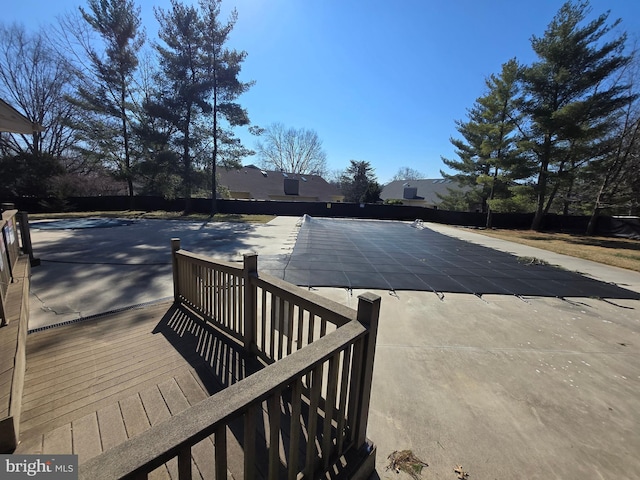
250 270
368 315
175 246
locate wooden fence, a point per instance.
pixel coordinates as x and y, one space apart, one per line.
305 412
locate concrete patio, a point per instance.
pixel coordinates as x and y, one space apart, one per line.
506 387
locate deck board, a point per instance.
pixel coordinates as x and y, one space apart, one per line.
85 436
91 385
111 424
134 416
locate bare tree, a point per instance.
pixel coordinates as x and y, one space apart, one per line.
615 174
292 150
35 79
408 173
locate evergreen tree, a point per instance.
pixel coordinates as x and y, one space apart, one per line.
359 183
200 78
569 97
222 67
185 85
105 90
489 161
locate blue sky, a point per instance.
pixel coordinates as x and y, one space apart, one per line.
377 80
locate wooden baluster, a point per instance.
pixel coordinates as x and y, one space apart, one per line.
311 327
289 323
354 388
294 433
342 407
273 407
280 315
184 463
263 322
312 422
220 440
272 327
250 442
300 327
329 407
175 246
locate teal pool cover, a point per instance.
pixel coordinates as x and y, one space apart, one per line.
397 256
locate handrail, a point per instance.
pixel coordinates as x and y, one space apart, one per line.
333 312
152 448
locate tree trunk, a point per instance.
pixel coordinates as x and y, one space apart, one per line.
125 137
593 221
542 185
489 222
214 190
186 159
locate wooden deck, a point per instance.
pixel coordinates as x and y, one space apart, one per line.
91 385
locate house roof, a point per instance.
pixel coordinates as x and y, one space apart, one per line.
426 190
260 184
11 120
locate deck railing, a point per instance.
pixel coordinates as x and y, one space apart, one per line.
271 317
9 252
305 412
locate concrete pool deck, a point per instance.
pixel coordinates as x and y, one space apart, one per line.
506 387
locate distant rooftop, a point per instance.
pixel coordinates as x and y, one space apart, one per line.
253 183
424 191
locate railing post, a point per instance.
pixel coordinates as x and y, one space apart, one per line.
368 315
250 269
3 314
7 248
25 234
175 246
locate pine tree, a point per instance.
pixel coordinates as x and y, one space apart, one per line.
359 183
185 84
489 160
105 92
202 80
222 67
569 98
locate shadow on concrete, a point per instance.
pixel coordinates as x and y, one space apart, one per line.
93 270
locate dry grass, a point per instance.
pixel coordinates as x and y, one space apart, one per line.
618 252
159 215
